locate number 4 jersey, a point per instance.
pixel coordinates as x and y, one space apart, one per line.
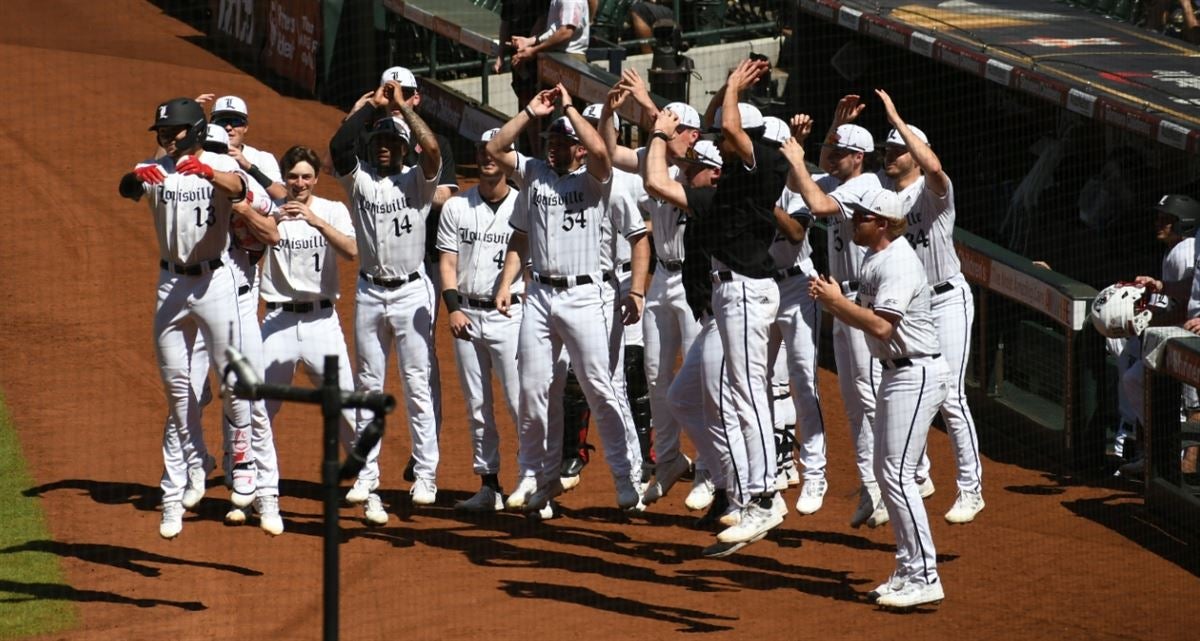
191 220
389 217
302 266
478 233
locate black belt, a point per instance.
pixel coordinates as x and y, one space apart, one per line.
191 270
480 303
850 286
626 266
568 281
787 394
942 288
897 363
671 265
390 282
784 274
301 308
723 276
243 290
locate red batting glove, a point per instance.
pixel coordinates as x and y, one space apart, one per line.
193 167
151 174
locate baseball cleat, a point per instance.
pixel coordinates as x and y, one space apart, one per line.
756 520
197 482
718 550
569 482
541 498
966 506
730 517
628 497
702 492
868 501
423 492
668 473
912 595
545 514
244 484
485 500
172 520
267 508
360 490
893 584
812 496
926 487
879 517
373 511
526 486
235 516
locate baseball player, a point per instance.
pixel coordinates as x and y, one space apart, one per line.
231 114
191 202
841 158
473 237
892 309
669 327
395 301
711 423
798 324
300 287
568 306
913 171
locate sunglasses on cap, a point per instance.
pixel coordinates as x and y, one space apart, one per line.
230 121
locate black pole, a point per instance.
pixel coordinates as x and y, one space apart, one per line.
331 406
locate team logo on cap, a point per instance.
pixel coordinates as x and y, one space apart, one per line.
162 112
229 103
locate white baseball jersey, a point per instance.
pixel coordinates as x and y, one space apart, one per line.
571 12
302 266
566 218
930 227
668 221
479 235
845 257
626 193
265 162
389 218
191 225
782 250
893 281
1179 264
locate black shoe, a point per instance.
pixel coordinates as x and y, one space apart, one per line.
718 549
409 474
572 467
719 505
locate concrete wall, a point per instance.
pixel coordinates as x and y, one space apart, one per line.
712 65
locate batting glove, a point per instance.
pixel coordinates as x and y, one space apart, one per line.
151 174
193 167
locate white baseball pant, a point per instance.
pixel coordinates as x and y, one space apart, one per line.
493 347
858 374
909 398
744 309
669 331
405 316
799 321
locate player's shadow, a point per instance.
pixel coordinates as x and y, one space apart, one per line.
59 592
687 619
1131 520
120 557
141 497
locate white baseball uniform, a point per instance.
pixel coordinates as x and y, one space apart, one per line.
858 373
197 289
799 322
913 384
478 233
395 302
669 326
265 161
931 235
300 288
569 306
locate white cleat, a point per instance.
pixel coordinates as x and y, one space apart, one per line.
893 584
197 482
423 492
373 511
267 508
172 520
235 516
812 496
926 487
701 495
755 522
868 500
526 487
912 595
966 507
360 490
879 516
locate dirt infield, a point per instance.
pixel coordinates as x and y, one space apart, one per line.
1043 561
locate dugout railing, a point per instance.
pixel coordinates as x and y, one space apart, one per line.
1172 492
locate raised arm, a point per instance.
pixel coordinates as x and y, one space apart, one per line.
743 77
430 157
623 157
341 146
500 147
928 161
599 165
657 177
847 110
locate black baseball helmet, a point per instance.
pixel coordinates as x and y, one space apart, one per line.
183 112
1185 209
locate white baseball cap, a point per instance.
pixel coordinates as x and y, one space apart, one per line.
230 105
895 140
218 138
853 138
488 135
883 202
705 153
775 130
592 113
751 116
400 75
688 117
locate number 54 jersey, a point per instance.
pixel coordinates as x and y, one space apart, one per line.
389 217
